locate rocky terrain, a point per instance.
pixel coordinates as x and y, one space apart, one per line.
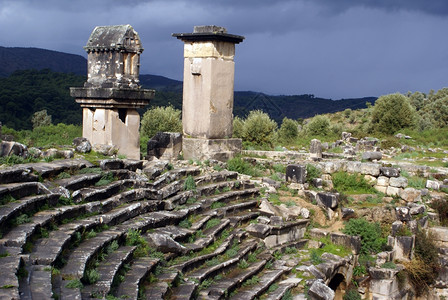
117 228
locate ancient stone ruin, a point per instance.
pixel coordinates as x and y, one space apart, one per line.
207 109
112 92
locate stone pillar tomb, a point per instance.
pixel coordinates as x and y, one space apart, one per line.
207 109
112 93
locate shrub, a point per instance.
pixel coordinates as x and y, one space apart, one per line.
312 172
238 127
319 125
242 166
370 233
351 183
41 118
189 184
92 276
288 130
166 119
391 113
259 129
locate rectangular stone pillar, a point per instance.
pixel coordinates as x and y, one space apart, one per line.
207 109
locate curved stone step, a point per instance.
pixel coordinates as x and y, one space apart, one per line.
25 205
97 193
225 286
243 218
265 280
199 260
9 283
53 168
210 235
17 173
85 252
283 287
80 181
107 271
158 290
140 269
230 196
174 175
235 208
184 291
206 272
19 190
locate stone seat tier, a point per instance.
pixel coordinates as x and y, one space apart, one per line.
19 190
283 287
46 170
25 205
17 173
80 181
223 287
266 278
159 289
209 236
101 192
184 291
9 281
156 219
108 270
47 250
197 261
236 208
140 270
79 259
174 175
241 218
230 196
208 272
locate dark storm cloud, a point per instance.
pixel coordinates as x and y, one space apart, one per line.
331 48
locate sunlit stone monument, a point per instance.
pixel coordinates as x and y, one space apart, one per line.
207 109
112 92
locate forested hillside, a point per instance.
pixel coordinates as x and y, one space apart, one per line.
16 58
26 92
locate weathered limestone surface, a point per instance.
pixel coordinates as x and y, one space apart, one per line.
207 109
112 92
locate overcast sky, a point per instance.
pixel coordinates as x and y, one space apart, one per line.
329 48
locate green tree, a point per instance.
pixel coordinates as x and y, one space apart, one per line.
259 128
288 130
319 125
41 118
157 119
391 113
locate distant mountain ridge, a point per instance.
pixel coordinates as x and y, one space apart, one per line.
50 64
18 58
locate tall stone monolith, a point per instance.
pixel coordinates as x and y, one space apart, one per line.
207 109
112 92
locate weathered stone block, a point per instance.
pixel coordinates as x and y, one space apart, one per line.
381 189
315 149
372 155
202 149
400 182
353 166
165 145
393 191
389 172
13 148
382 181
433 184
403 213
296 173
403 246
369 169
329 200
82 145
411 195
320 291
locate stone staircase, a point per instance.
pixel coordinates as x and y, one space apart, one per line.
73 230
